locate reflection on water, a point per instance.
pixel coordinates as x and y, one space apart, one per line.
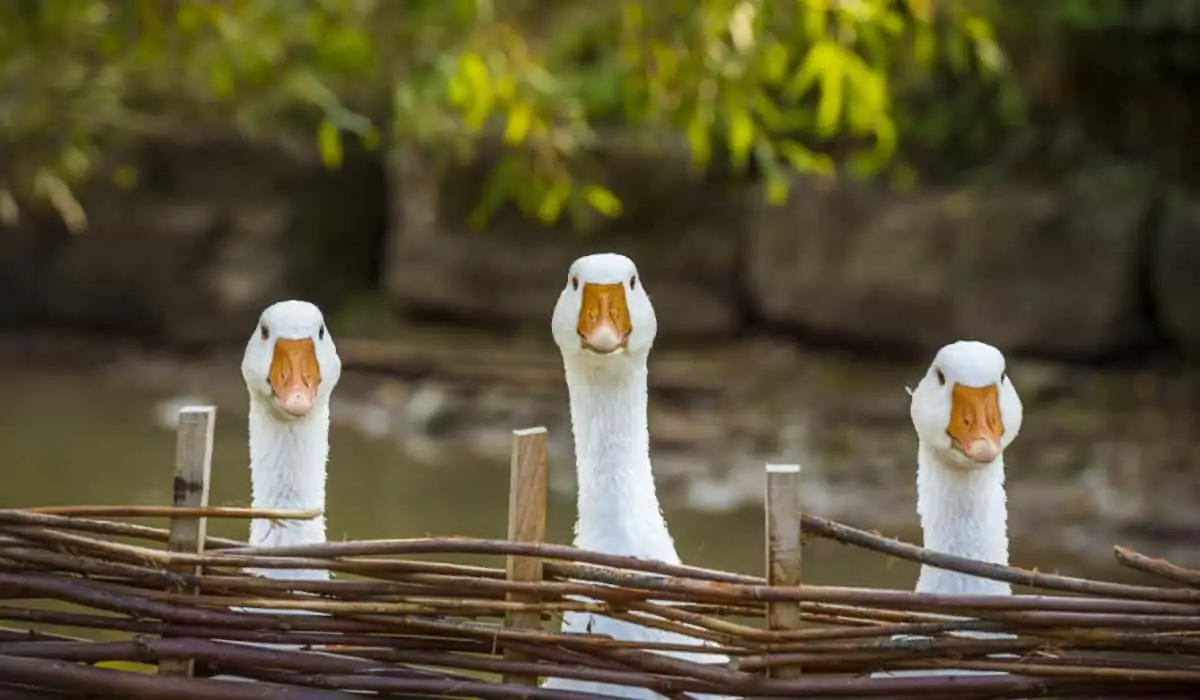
75 438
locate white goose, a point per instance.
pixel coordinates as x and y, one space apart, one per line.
605 325
966 413
291 367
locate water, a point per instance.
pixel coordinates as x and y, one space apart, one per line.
88 437
63 447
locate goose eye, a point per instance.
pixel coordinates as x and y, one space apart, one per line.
264 332
321 333
575 283
633 283
940 377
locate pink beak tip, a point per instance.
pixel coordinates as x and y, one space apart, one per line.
603 340
297 403
983 450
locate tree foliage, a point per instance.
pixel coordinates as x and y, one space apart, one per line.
773 82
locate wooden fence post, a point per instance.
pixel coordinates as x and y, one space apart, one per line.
193 467
526 523
783 550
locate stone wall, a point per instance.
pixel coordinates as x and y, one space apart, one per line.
684 235
1099 264
211 234
1052 271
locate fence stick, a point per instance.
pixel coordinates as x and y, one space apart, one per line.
526 523
193 468
783 550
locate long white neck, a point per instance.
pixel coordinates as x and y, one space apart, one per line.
619 512
963 512
287 472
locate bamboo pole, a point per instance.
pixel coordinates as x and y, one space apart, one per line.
526 523
783 551
193 471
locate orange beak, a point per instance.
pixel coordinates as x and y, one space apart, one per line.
975 424
295 375
604 324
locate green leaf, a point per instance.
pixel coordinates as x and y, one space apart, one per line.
956 54
774 63
520 117
479 112
125 176
803 160
458 92
829 109
991 58
865 163
476 91
505 88
885 137
768 112
698 141
741 135
774 176
329 143
475 71
922 10
602 200
484 10
816 19
552 202
221 79
777 190
188 17
977 28
369 138
74 163
49 185
817 63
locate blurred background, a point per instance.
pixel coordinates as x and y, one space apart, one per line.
819 194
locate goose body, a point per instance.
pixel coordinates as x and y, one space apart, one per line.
605 326
966 413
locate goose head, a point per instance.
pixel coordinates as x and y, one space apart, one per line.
965 409
603 312
291 364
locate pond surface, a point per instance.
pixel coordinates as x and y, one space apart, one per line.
89 437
